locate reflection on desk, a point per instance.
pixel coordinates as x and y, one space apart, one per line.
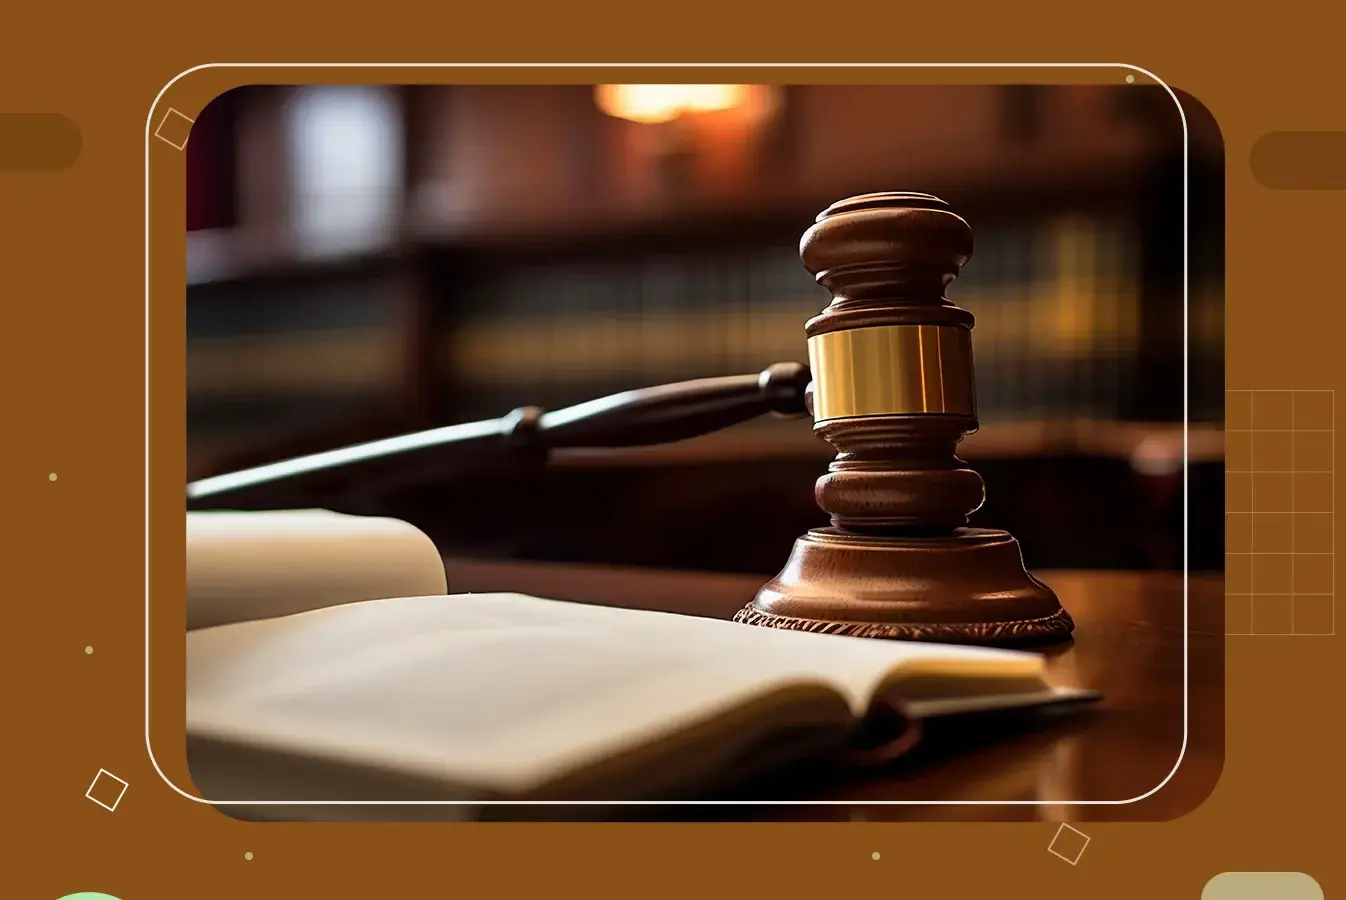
1152 752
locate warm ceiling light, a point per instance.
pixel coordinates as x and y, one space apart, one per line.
664 102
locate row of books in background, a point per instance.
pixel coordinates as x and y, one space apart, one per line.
1059 333
1058 309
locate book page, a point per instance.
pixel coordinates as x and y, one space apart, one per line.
253 565
506 692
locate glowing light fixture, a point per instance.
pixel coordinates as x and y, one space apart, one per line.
651 103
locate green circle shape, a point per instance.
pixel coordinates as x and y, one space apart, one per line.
88 895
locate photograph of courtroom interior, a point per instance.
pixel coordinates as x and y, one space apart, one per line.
365 262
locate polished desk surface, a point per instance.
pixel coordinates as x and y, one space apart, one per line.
1133 642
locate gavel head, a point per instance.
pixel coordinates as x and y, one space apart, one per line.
893 383
885 247
893 392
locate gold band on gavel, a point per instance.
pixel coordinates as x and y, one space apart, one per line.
889 370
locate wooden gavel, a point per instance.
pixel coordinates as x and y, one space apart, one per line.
890 386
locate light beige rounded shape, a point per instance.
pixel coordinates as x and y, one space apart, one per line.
1262 886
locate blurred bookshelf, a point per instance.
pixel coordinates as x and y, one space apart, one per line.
368 260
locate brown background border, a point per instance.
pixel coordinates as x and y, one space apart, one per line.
75 388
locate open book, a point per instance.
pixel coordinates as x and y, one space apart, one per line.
504 697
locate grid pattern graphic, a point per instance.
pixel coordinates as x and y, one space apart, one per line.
1280 568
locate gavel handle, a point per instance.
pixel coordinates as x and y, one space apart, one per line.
652 415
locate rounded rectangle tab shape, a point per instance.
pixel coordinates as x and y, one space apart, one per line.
1300 160
38 142
1262 886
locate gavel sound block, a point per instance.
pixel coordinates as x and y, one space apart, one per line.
893 392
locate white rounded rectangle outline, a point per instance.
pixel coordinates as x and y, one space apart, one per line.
1186 352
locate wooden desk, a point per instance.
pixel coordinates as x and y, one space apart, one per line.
1129 644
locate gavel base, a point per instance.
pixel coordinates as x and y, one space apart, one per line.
967 586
